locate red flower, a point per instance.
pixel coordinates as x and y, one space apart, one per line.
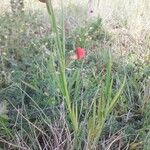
80 53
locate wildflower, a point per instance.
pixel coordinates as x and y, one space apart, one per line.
79 53
91 11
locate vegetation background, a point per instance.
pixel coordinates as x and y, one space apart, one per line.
49 101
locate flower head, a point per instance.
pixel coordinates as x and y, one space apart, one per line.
80 53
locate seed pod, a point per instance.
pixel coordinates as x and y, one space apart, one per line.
43 1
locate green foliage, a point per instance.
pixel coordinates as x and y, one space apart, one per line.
102 107
76 104
94 31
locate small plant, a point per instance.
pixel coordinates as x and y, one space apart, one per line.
102 106
60 73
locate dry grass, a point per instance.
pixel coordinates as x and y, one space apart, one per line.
128 21
136 12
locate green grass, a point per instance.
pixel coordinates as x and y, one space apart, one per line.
48 101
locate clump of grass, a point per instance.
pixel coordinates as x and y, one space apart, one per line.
102 107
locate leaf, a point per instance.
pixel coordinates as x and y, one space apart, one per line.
135 146
115 99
